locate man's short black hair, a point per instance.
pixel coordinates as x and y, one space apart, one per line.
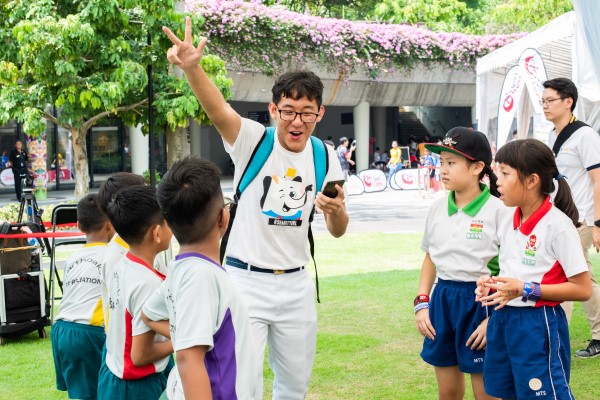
564 88
89 217
298 84
191 199
115 182
133 211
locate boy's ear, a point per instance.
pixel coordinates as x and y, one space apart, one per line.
223 221
155 233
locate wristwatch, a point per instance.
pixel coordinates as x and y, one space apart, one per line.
422 298
526 291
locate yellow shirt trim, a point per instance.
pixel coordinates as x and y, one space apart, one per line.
94 244
98 315
121 242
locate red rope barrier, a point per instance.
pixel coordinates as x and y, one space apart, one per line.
42 235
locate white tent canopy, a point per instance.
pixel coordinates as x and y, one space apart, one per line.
559 43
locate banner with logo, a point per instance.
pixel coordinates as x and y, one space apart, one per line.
374 180
354 186
534 72
510 98
408 179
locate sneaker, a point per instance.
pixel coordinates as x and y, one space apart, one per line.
592 350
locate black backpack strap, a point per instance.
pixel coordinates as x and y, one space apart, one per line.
566 133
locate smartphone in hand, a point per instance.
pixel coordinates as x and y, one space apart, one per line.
330 190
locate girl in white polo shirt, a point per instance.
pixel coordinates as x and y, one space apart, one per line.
461 245
541 265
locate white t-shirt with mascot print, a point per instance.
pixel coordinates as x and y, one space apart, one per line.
274 210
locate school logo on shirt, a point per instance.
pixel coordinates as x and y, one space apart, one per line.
283 198
475 230
530 249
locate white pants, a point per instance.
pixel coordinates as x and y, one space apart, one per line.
283 314
592 306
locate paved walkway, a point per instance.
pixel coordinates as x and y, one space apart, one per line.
390 211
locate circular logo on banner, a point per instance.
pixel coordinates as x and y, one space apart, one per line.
7 178
407 178
509 102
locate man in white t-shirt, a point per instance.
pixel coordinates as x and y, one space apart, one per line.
268 250
577 150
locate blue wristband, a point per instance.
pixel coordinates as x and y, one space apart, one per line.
527 288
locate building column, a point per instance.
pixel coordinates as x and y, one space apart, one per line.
379 127
140 150
361 135
195 138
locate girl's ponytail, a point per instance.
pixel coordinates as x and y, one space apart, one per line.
564 199
487 170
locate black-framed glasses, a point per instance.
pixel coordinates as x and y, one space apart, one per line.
227 203
289 115
547 102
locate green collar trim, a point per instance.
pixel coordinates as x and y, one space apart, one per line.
474 206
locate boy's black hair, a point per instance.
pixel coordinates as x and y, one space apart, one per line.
115 182
530 156
564 88
133 211
89 217
298 84
191 199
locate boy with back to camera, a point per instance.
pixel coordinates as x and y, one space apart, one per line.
117 247
78 331
137 360
207 320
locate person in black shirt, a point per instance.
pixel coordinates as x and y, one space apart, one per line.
18 161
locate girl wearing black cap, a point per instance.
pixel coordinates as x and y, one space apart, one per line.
461 245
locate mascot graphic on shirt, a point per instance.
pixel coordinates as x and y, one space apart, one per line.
283 198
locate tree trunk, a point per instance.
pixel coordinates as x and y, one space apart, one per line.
178 145
80 161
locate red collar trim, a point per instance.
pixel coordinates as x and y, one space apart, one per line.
143 263
532 221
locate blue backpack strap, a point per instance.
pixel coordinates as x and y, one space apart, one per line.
259 157
321 161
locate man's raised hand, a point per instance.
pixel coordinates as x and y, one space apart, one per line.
183 53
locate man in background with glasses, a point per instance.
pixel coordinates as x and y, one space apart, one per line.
577 150
267 255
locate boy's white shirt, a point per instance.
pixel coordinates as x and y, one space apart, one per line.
200 302
117 248
82 300
130 285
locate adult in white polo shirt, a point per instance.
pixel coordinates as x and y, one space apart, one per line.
577 150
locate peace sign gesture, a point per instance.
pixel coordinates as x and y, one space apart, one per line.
183 53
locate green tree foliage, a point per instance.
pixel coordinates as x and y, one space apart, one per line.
438 15
88 59
523 15
344 9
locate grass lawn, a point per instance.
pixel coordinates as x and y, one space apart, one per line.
368 347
